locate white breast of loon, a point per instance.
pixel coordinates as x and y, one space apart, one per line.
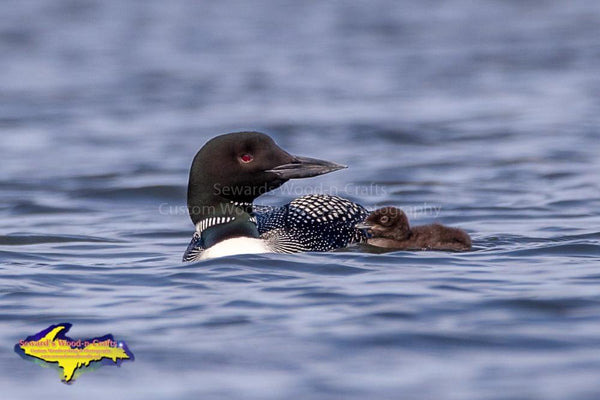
235 246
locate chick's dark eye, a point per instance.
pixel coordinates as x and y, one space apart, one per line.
246 158
384 219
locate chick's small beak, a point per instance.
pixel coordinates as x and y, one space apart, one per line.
363 225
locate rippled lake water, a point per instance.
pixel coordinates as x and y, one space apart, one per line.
481 115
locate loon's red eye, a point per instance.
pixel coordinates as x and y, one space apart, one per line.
246 158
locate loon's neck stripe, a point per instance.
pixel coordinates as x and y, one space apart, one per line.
241 203
212 221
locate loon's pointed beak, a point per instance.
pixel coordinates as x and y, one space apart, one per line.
363 225
305 167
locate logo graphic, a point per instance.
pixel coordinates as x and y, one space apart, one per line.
72 357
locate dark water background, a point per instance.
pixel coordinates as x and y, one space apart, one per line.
478 114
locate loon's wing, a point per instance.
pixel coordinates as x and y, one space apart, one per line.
194 249
312 223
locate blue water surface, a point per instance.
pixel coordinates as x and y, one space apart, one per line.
483 115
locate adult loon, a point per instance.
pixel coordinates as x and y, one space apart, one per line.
232 170
388 227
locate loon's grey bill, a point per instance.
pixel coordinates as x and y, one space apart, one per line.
305 167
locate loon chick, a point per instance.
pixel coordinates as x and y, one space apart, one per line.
232 170
388 227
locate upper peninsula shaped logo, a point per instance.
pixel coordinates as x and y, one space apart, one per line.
52 346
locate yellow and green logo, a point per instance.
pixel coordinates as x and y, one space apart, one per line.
52 347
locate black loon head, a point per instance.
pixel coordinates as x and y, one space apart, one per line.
387 222
233 169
